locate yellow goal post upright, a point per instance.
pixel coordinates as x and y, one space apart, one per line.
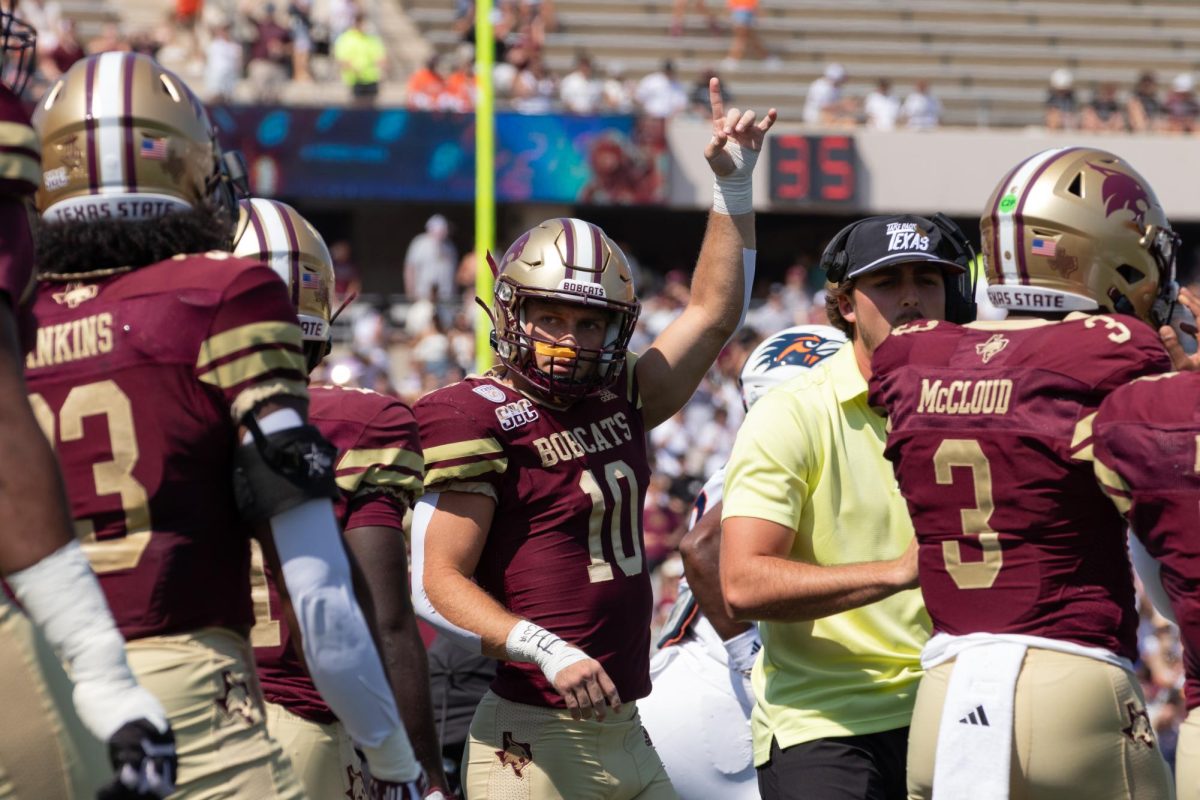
485 183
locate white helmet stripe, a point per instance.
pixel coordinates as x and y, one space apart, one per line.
585 249
106 110
1008 213
276 244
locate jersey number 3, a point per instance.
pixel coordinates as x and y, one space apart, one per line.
115 476
615 472
975 521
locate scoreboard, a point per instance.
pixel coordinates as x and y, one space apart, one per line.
813 170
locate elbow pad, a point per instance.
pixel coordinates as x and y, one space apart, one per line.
282 469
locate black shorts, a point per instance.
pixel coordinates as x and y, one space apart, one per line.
866 767
365 89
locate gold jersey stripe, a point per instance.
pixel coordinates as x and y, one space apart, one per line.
1083 436
472 470
20 167
247 368
362 458
18 134
248 336
473 447
1114 486
250 397
381 479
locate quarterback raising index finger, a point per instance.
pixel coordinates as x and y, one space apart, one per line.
528 542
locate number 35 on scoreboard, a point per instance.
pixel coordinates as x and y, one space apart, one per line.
813 170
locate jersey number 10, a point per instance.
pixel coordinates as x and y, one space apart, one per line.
615 472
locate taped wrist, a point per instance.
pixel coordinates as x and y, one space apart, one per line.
734 193
534 644
280 470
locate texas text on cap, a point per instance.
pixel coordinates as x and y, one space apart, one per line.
879 242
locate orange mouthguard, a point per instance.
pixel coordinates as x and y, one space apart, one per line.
553 350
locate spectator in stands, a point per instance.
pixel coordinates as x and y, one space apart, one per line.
1062 109
881 107
535 89
346 280
54 61
44 16
504 74
679 7
660 94
1180 108
342 14
224 65
430 263
425 85
300 17
698 100
825 104
1143 108
618 89
110 40
581 91
459 92
1104 113
922 111
536 18
270 56
361 55
745 42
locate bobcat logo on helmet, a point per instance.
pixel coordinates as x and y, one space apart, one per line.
1122 191
786 355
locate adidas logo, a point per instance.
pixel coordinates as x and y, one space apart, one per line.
976 717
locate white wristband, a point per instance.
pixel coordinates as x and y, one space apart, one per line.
743 649
533 644
63 598
734 193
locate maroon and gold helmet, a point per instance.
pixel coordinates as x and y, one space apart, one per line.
1078 229
123 138
569 261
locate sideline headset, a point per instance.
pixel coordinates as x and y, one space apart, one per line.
960 289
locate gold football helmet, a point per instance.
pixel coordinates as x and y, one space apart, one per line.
568 261
276 234
125 139
1078 229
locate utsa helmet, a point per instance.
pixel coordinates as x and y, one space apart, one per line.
123 138
785 355
276 234
1078 229
569 261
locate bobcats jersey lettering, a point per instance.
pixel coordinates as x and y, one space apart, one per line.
965 396
565 547
579 441
72 341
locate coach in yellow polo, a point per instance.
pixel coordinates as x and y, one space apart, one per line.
817 542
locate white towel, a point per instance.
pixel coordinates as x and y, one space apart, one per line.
974 747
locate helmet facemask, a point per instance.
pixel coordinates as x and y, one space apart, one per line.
518 347
18 48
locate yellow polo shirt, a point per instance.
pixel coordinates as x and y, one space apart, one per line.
810 456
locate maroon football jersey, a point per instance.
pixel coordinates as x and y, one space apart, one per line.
20 172
565 548
379 472
990 436
1147 442
138 380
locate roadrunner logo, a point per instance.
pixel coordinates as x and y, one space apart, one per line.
515 754
797 349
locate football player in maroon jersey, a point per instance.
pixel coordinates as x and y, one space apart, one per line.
46 751
170 377
1146 438
379 475
536 474
1022 562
